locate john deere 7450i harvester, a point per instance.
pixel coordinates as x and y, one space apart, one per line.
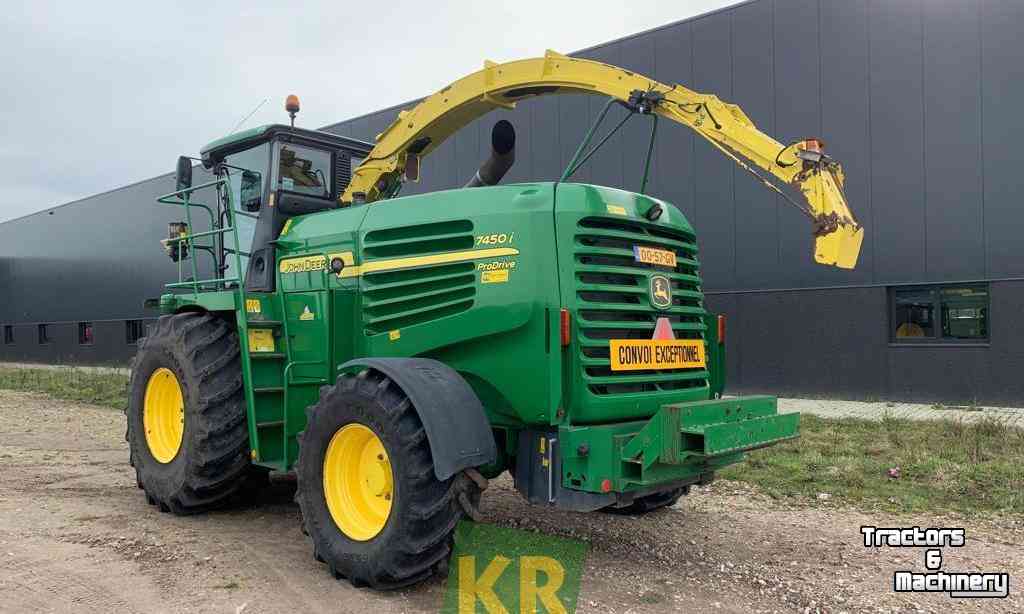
396 353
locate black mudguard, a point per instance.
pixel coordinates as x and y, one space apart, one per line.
457 428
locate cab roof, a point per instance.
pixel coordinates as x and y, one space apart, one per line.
245 138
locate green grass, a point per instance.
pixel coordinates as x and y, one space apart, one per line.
98 388
945 466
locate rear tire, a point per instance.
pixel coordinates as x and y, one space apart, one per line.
413 538
211 460
650 503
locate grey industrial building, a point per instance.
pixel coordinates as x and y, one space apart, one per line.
920 100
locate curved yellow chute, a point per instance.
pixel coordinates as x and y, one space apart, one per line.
419 130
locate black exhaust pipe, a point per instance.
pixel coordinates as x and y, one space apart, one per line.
503 156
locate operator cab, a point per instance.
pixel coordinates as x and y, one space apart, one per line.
276 172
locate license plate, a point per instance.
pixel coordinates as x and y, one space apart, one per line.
261 340
653 255
641 354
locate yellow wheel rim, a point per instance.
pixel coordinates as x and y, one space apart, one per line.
358 483
163 415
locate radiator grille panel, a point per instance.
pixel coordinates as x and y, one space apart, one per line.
399 298
612 291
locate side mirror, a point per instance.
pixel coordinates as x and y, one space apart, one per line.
251 191
183 174
412 167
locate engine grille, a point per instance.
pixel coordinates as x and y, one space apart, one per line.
612 297
401 298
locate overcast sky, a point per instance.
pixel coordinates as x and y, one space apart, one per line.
102 94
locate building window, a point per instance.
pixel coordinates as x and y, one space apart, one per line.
913 314
44 334
85 333
939 313
964 312
134 330
8 334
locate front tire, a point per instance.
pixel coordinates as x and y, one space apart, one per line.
186 414
370 500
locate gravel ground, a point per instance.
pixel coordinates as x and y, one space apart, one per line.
76 535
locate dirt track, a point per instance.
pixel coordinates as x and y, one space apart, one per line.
76 535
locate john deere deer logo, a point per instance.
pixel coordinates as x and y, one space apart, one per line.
661 292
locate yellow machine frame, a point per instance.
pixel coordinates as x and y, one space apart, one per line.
803 165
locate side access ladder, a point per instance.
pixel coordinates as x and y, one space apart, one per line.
264 373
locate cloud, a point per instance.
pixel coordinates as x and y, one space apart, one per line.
100 95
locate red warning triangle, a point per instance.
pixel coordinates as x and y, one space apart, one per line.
663 330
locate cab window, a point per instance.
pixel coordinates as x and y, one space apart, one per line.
254 160
304 170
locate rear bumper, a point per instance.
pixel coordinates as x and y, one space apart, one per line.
683 442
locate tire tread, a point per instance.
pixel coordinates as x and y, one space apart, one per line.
423 536
219 460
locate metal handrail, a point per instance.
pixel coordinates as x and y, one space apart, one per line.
202 282
183 198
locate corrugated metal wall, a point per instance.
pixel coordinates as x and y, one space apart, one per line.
919 99
97 258
93 260
835 343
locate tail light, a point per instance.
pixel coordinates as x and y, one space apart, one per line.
564 327
810 150
814 145
721 330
